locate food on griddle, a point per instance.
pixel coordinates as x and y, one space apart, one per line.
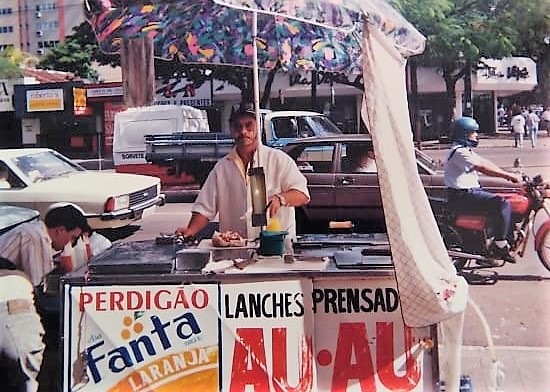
227 238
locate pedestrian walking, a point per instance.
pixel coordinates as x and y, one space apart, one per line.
534 121
545 121
518 128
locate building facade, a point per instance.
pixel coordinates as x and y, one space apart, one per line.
34 26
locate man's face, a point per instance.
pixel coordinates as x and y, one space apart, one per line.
61 237
473 136
244 130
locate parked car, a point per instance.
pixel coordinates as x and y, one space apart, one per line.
11 216
40 177
340 194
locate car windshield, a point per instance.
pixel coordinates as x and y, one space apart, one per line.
45 165
322 126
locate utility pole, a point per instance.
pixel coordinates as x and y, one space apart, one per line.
468 96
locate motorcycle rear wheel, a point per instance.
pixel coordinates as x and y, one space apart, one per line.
453 241
544 250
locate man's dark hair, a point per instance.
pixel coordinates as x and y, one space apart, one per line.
67 216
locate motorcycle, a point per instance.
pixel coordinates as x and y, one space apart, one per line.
467 236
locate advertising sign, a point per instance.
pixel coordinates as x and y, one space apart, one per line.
361 343
142 338
267 333
183 92
295 335
509 73
45 100
6 91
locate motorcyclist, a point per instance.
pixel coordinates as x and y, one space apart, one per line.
465 193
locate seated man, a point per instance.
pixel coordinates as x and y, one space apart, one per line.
4 177
465 193
363 160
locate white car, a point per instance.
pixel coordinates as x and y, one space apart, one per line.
40 177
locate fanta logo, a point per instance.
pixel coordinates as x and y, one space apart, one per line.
194 369
163 335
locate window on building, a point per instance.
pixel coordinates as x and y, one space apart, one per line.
6 11
6 29
46 7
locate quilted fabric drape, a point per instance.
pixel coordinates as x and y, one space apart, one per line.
430 291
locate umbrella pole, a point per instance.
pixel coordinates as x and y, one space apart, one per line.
255 71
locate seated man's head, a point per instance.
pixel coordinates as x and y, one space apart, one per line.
363 153
3 171
65 223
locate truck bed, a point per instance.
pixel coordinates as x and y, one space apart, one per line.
203 146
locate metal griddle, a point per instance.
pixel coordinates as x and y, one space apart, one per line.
133 258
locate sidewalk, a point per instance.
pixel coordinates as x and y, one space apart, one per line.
499 139
525 368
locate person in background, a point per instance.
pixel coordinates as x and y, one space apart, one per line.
27 253
226 191
464 191
534 121
518 127
365 162
545 121
4 176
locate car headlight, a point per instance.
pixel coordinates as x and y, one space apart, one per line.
117 203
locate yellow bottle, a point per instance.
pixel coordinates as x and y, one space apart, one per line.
273 224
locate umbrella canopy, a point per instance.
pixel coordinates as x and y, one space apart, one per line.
322 36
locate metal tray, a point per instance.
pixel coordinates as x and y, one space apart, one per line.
134 257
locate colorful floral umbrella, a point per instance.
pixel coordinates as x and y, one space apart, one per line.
206 32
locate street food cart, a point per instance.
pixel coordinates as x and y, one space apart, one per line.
329 321
134 322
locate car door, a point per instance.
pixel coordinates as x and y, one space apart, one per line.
357 194
316 162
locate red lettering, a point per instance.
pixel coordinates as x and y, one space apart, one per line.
85 298
279 360
352 338
99 300
385 359
116 300
162 299
199 295
134 300
181 299
164 304
249 366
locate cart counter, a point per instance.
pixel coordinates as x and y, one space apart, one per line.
267 326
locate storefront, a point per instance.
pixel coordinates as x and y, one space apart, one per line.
493 81
55 115
10 135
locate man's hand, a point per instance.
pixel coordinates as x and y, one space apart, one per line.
183 231
274 204
515 178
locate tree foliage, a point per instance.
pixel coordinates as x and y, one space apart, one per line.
12 60
75 54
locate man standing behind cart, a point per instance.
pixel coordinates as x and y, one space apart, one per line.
27 256
226 191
